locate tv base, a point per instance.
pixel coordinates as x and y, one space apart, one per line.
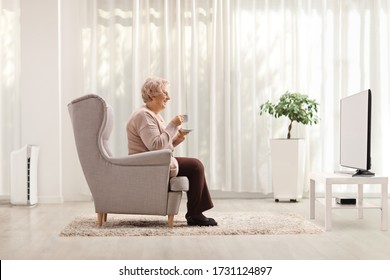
357 173
363 173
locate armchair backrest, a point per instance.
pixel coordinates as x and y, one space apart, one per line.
92 121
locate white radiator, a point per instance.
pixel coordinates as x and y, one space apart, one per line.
24 173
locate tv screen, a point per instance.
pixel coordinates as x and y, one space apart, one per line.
355 132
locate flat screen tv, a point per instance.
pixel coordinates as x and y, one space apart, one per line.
355 133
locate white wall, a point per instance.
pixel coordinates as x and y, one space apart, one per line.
51 76
39 85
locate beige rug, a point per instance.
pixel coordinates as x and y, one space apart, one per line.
241 223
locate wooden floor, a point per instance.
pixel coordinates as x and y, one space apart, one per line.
33 233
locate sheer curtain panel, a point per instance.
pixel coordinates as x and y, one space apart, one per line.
9 87
224 58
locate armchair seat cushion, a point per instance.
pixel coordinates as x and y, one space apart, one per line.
179 184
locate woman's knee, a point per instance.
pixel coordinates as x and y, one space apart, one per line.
188 166
198 165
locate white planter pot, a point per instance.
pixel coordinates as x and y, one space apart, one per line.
288 161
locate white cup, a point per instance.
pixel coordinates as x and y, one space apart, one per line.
185 118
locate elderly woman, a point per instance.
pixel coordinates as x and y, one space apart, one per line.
147 131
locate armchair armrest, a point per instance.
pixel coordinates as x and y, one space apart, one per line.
179 184
158 157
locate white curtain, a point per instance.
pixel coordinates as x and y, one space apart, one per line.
9 87
224 58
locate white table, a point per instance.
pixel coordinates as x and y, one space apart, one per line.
330 179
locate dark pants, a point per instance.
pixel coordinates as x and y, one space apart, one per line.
198 196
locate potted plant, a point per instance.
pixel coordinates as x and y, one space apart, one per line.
288 154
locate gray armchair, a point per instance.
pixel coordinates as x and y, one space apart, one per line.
132 184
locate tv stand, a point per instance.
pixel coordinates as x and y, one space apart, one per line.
330 179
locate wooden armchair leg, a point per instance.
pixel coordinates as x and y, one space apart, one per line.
101 217
170 221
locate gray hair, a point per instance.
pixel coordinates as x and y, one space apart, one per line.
152 87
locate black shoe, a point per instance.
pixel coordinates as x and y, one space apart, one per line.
201 221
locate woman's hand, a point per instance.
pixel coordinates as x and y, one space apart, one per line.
181 135
178 120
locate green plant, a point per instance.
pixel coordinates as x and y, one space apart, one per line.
295 106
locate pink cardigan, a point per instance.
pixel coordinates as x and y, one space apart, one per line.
147 131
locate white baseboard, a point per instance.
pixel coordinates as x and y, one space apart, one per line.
78 198
50 199
238 195
5 199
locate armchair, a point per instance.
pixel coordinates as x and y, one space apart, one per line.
132 184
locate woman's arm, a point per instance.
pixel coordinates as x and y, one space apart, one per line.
180 137
153 138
